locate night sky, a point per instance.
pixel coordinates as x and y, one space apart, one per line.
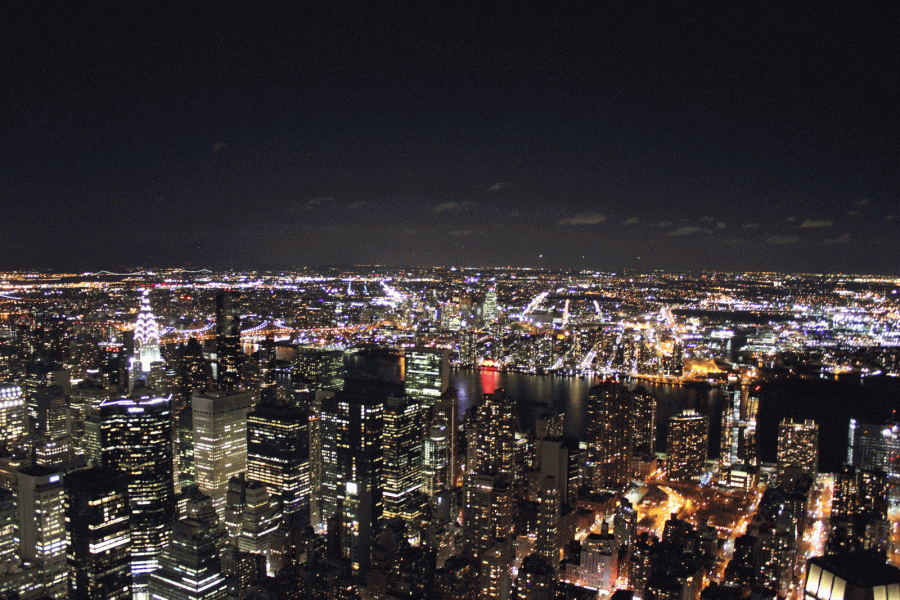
765 138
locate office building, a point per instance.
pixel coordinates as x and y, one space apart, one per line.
42 527
278 445
98 535
13 423
874 447
9 527
220 440
600 560
458 579
686 446
136 437
228 339
427 373
549 513
146 341
610 409
319 369
798 446
190 567
488 512
436 459
402 459
536 579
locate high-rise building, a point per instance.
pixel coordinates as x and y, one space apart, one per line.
610 408
259 521
98 534
536 579
278 456
146 340
490 306
402 459
42 526
488 514
458 579
798 446
228 339
643 422
549 513
9 527
427 373
320 369
686 446
492 439
738 442
600 560
495 571
190 567
220 440
136 437
872 446
436 459
12 413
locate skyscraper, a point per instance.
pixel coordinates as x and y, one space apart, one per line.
42 526
98 535
146 340
609 422
228 339
436 459
874 446
136 437
278 456
190 567
403 459
798 446
220 441
12 413
492 439
427 373
686 447
644 422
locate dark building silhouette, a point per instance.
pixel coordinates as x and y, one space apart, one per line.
228 339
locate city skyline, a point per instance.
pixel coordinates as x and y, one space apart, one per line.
741 138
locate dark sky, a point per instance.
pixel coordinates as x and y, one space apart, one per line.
749 138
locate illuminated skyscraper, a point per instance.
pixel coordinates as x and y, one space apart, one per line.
610 412
644 422
427 373
98 534
548 516
42 526
403 459
146 340
278 456
488 514
492 441
190 567
686 447
9 527
436 459
220 441
798 446
136 437
872 446
320 369
228 339
12 413
738 427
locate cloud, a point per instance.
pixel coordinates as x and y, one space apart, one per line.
863 202
453 206
631 221
497 186
721 225
734 242
314 202
781 240
686 230
791 219
462 232
514 213
359 204
841 240
750 226
852 212
706 219
585 218
662 224
219 146
810 224
889 218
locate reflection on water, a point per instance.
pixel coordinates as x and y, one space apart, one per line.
537 393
